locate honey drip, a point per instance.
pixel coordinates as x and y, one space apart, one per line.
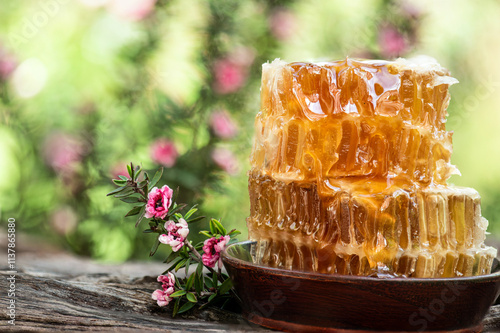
349 170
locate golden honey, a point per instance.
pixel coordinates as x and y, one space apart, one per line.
349 169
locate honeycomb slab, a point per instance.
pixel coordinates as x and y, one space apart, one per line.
349 169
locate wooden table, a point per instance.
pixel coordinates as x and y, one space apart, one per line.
56 291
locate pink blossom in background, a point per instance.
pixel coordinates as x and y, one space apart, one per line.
131 10
212 248
282 24
225 160
163 152
176 234
223 125
119 169
62 152
229 77
162 296
231 72
8 64
159 201
63 220
392 43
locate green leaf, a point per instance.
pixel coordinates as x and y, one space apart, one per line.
125 193
179 216
156 178
117 190
191 297
131 200
141 216
176 209
171 257
186 307
212 297
134 211
225 287
123 178
155 247
142 184
219 227
205 233
198 282
209 283
199 268
180 264
188 262
119 182
190 281
234 232
176 306
137 172
213 228
130 169
172 266
191 212
194 219
214 280
178 293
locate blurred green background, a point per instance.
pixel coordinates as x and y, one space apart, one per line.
87 86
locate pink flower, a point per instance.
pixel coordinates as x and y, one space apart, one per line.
222 125
282 24
131 10
62 152
225 160
168 279
392 43
159 200
231 71
163 152
7 64
229 76
162 296
212 249
177 233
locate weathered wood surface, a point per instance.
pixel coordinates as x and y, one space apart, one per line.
56 291
59 292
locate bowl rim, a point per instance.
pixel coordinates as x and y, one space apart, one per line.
226 257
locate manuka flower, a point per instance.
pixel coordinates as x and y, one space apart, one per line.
212 249
223 125
176 234
162 296
159 200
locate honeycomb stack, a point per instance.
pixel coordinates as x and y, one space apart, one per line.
349 169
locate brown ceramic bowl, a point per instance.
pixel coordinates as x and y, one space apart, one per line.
301 301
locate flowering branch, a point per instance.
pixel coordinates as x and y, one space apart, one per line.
166 219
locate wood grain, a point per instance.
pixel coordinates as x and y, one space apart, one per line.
58 292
